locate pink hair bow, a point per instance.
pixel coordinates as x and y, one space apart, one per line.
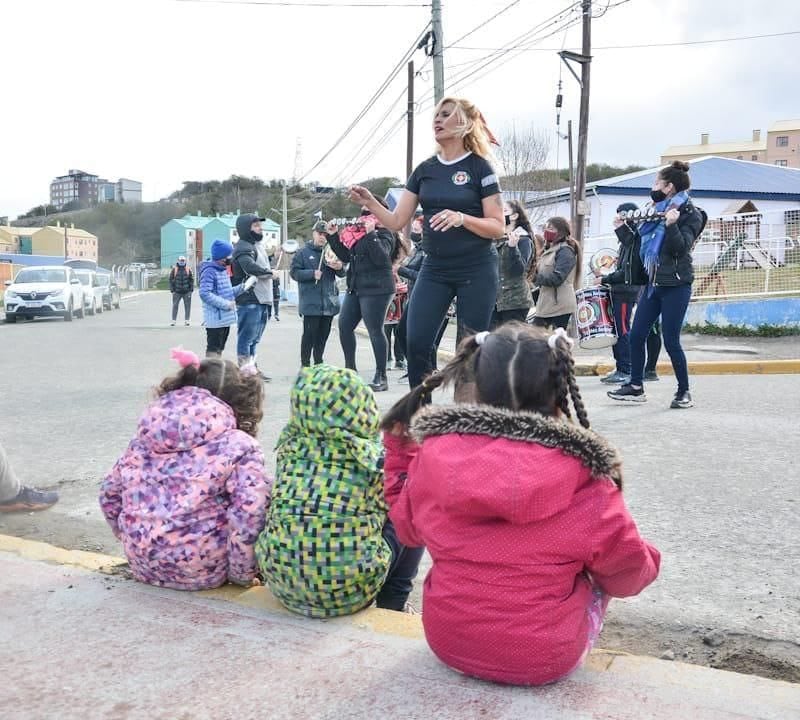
185 357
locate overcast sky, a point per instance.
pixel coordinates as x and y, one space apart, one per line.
163 91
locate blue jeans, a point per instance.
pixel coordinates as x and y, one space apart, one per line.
400 580
623 309
252 320
436 286
671 304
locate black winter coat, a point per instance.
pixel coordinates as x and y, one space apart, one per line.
675 261
244 265
629 266
181 280
370 271
316 298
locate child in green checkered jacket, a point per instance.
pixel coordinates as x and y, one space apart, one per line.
328 548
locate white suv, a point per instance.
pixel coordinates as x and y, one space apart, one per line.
44 291
93 290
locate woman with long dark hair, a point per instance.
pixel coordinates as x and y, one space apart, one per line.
515 252
463 216
557 275
665 248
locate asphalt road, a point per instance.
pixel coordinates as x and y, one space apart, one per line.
715 488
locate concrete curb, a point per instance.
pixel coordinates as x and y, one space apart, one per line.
697 367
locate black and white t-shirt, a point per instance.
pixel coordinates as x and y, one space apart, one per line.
459 185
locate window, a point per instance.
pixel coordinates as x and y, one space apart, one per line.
739 157
782 141
754 157
782 163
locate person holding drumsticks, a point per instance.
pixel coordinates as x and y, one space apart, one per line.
463 215
315 269
664 244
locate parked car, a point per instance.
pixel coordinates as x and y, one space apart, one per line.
93 291
42 292
111 291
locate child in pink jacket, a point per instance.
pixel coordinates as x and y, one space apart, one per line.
520 509
189 496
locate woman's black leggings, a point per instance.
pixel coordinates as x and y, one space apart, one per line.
476 290
372 310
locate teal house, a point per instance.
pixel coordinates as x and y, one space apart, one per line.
183 236
223 227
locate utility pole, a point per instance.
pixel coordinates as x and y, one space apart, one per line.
438 50
285 216
583 124
410 131
571 176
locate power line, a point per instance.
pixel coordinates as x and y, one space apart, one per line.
648 45
305 3
384 85
483 24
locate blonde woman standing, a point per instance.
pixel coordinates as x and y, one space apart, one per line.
463 214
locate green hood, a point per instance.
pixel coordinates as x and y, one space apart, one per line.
335 407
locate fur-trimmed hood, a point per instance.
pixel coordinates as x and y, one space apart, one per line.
478 452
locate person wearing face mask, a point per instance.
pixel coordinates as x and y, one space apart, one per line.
181 285
664 245
315 269
557 275
460 196
219 297
250 260
515 251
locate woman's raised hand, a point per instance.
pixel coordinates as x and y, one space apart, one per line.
361 196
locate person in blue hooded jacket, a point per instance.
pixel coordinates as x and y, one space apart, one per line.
219 297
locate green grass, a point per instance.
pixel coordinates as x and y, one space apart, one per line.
750 281
764 331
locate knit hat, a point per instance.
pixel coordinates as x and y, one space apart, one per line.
221 249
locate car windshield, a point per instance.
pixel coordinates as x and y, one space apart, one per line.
41 275
84 276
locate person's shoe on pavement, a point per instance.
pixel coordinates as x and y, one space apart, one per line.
29 499
651 376
380 383
682 400
172 324
400 365
616 378
628 393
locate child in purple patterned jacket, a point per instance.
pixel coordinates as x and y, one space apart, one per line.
189 496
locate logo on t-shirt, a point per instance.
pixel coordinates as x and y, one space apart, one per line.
461 178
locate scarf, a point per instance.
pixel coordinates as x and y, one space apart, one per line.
351 234
652 234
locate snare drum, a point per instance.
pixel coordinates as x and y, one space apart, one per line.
398 304
594 318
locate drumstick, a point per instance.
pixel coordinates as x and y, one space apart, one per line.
321 258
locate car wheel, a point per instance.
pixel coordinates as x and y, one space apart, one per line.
100 308
93 307
68 314
81 311
117 304
11 318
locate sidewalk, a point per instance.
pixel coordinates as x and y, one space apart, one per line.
79 643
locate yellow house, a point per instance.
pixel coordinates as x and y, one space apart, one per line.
780 147
67 241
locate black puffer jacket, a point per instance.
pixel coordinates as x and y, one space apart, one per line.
675 261
181 280
629 266
370 271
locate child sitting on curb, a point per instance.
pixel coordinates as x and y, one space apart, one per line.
188 497
328 549
520 509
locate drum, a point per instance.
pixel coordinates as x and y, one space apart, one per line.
398 304
594 318
603 262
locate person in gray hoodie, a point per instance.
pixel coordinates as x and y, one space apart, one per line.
250 259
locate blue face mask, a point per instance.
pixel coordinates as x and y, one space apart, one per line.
181 264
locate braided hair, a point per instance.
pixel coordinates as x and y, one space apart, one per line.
517 366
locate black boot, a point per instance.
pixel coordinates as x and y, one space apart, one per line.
380 383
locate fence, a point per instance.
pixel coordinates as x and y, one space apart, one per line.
739 256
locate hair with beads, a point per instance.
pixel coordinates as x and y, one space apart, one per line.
242 391
514 368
